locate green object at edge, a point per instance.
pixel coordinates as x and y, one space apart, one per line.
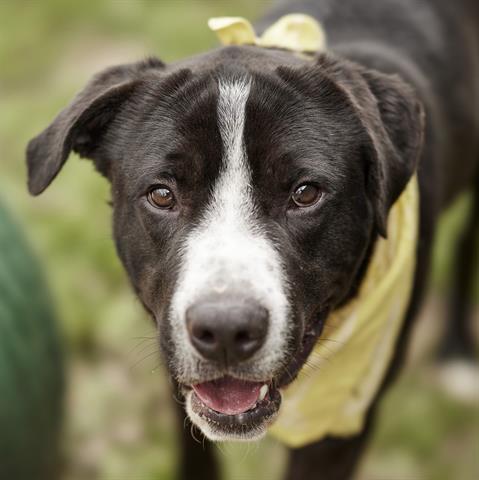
31 367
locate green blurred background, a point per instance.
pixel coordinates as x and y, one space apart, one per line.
120 422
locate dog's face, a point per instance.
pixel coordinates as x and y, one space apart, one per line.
248 188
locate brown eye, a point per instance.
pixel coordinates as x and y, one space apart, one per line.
306 195
161 197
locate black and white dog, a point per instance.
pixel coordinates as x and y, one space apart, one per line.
249 186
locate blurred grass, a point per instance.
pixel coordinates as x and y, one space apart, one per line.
121 421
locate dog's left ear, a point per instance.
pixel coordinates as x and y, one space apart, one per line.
80 126
395 121
388 112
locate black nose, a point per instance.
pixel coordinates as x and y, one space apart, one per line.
227 331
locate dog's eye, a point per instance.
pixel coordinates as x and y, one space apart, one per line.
161 196
306 195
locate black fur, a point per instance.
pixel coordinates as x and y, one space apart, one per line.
399 88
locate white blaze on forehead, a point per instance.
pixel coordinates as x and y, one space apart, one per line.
228 252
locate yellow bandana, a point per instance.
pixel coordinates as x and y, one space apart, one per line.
345 370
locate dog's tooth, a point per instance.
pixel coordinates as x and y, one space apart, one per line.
262 393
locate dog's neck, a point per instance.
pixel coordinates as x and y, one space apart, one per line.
361 273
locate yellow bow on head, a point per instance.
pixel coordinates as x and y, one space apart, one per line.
296 32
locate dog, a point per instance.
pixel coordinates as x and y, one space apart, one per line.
251 184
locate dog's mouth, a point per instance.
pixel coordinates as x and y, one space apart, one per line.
234 408
231 396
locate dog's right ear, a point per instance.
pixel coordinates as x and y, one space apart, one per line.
80 125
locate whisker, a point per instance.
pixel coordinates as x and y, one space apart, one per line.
330 340
192 429
148 347
140 344
307 373
219 447
319 357
178 401
145 337
245 453
143 359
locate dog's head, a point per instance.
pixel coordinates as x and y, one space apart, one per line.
248 188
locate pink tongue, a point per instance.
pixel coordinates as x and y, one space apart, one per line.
228 395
